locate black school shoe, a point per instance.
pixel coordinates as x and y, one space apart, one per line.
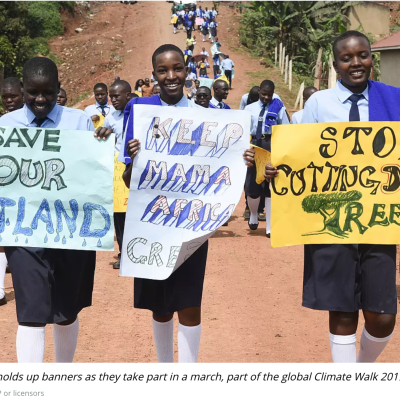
3 301
116 265
253 227
268 235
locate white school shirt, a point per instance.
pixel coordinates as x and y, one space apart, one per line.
214 13
59 117
255 109
243 101
115 121
95 109
296 117
215 102
205 53
333 105
227 64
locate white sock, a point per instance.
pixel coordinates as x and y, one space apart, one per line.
164 339
174 30
188 343
3 266
30 344
371 347
253 207
65 340
343 348
268 213
204 38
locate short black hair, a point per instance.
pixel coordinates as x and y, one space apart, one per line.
63 90
163 49
40 66
346 35
267 84
309 89
126 86
206 88
12 82
100 86
219 82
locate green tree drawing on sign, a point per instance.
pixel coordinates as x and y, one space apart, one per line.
329 205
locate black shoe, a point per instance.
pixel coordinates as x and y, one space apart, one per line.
268 235
253 227
262 216
246 214
3 301
225 224
116 265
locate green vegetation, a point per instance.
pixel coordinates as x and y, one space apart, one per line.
302 26
329 205
25 27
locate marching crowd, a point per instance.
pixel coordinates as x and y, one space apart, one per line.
53 285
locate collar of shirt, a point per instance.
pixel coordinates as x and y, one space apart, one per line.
52 115
117 113
343 93
105 105
215 102
183 102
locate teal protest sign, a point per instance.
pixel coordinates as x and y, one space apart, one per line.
56 189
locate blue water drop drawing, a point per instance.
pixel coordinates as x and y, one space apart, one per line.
16 239
84 243
7 222
64 240
57 238
71 235
45 239
26 240
99 243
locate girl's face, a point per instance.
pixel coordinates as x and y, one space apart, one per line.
141 82
170 72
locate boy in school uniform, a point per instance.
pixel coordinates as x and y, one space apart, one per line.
265 113
221 91
101 107
343 279
182 291
227 64
307 92
62 97
51 285
120 94
12 94
203 96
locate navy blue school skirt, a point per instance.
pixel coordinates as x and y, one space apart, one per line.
184 288
350 277
51 285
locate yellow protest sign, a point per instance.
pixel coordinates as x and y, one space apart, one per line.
261 158
337 183
121 192
99 122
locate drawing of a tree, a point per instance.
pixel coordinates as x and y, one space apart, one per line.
329 205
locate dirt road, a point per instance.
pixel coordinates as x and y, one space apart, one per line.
252 294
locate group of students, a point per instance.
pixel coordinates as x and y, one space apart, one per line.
53 285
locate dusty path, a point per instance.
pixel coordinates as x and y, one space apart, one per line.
252 295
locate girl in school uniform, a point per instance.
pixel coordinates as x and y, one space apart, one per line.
343 279
182 291
51 285
204 29
138 87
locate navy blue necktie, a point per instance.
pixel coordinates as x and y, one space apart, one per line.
354 112
103 111
39 121
260 122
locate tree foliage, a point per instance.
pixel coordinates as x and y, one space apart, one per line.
25 27
302 26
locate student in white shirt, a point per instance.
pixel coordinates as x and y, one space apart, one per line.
344 279
204 52
120 94
221 92
307 92
227 64
101 107
261 136
252 97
